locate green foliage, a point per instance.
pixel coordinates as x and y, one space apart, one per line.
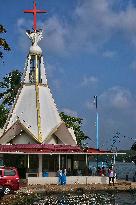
3 43
10 85
134 146
2 29
128 157
75 123
3 115
9 88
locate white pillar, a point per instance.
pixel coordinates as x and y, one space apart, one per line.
59 161
40 166
28 162
86 160
66 162
28 166
114 159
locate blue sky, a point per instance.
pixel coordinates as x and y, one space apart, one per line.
89 48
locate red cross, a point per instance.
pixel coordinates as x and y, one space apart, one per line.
34 11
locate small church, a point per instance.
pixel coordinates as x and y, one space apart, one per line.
34 138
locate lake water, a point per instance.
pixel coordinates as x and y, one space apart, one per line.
125 168
122 168
99 198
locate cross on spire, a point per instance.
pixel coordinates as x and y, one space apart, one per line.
34 11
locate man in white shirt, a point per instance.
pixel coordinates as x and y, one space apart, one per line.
111 176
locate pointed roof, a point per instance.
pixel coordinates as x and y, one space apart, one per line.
15 130
24 113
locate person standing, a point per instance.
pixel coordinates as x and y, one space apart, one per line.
111 176
59 176
93 171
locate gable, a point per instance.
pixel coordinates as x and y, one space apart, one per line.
16 131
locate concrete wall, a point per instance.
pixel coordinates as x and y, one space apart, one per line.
42 180
70 180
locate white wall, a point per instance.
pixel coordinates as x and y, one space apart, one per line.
42 180
69 180
23 139
1 132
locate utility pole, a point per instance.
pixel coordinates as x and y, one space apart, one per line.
97 122
97 128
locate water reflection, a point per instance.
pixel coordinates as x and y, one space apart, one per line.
101 198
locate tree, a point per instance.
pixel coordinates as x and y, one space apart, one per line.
75 123
9 88
134 146
10 85
3 43
3 115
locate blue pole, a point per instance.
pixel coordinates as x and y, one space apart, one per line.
97 123
97 130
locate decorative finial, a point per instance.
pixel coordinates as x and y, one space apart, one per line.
34 11
35 38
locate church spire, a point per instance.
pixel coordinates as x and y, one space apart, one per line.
35 70
34 11
34 116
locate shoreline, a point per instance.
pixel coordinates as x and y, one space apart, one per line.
119 186
27 194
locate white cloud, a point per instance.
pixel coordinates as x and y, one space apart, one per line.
56 34
23 41
91 80
57 84
90 105
20 22
50 69
69 112
102 21
116 97
54 72
108 54
133 65
92 24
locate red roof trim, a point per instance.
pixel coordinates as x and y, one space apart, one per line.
48 148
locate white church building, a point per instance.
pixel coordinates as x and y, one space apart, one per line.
34 138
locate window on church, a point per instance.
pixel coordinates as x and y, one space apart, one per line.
39 66
32 74
32 70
